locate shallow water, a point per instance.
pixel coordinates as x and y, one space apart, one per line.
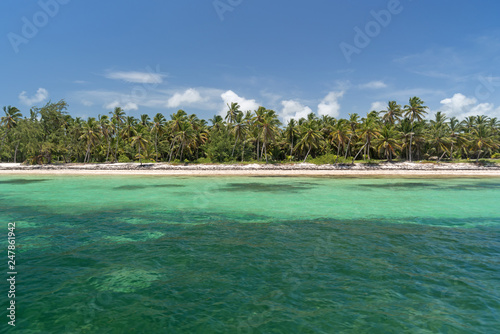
254 255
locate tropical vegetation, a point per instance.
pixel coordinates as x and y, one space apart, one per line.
50 134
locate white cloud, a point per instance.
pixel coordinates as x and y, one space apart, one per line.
41 95
294 109
188 97
230 96
330 105
125 106
137 77
458 105
378 106
373 85
461 106
87 103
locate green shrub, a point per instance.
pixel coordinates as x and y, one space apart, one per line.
203 161
496 156
327 159
123 158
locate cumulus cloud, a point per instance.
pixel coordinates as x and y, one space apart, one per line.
245 104
41 95
188 97
378 106
294 109
87 103
373 85
125 106
137 77
330 104
461 106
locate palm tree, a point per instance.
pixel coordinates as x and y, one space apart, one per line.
90 135
291 132
269 129
233 111
217 123
157 128
369 130
184 136
469 123
392 114
353 124
339 135
238 129
139 141
12 116
387 141
117 118
439 139
415 110
481 138
310 137
129 126
105 127
145 120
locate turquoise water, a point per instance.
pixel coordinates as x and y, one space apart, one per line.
253 254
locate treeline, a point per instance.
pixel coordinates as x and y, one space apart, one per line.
49 134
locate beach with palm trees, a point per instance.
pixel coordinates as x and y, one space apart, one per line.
400 138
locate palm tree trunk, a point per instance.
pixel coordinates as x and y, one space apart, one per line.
182 149
347 149
243 151
156 145
262 150
109 144
117 140
237 136
15 153
411 139
441 157
3 139
308 151
258 149
171 150
338 153
359 152
87 154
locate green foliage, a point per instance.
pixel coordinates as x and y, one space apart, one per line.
219 148
50 135
203 161
327 159
123 158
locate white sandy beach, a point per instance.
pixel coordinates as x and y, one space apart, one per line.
386 169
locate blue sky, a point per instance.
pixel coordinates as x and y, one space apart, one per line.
322 56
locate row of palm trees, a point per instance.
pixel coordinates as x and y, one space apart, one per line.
397 132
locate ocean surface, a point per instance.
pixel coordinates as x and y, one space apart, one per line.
154 254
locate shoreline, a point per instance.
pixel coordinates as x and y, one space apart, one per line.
300 169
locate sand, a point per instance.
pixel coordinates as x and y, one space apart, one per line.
300 169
